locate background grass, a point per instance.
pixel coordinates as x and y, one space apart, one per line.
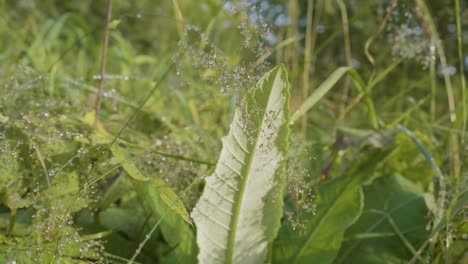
63 194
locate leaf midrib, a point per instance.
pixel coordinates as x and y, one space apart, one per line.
232 237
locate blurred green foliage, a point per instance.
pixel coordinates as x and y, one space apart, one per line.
176 71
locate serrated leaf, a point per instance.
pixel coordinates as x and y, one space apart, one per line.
240 209
164 203
163 193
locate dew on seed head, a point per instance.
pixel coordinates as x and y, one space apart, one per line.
408 39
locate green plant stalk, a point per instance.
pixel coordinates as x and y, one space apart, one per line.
407 113
383 74
326 43
432 29
371 108
156 86
147 238
318 15
462 69
103 63
432 76
209 27
307 61
208 30
180 17
347 44
371 39
12 221
42 163
454 146
291 52
366 90
123 260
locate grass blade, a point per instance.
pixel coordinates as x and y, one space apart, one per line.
319 93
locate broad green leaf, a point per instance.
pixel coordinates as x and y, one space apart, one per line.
393 223
165 204
339 203
240 209
176 231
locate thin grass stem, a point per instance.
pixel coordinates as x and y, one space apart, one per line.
103 63
347 47
307 54
462 68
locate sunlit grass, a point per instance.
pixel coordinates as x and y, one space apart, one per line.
176 72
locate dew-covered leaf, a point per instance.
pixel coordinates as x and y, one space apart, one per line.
164 203
240 209
164 193
127 164
174 226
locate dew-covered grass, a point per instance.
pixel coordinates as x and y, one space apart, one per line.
393 123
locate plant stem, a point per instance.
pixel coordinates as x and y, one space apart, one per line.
291 52
431 28
369 42
347 44
180 19
103 63
433 76
307 53
462 69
